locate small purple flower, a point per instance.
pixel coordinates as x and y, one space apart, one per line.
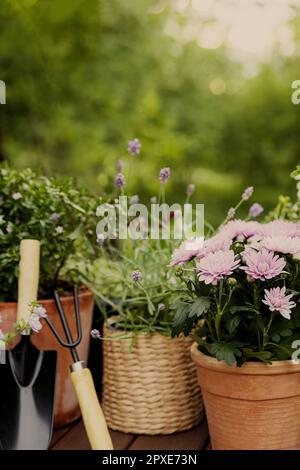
54 217
247 193
120 166
39 311
190 189
59 230
95 334
153 200
9 228
136 275
255 210
134 199
100 239
134 147
120 180
34 322
16 196
161 307
231 213
164 174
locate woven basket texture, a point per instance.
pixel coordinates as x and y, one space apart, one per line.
150 383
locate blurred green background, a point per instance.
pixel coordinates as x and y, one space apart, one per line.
204 84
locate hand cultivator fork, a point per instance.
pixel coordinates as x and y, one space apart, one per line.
82 380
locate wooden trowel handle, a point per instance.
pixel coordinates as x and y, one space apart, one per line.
28 277
93 417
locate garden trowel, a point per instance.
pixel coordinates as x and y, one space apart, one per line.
27 379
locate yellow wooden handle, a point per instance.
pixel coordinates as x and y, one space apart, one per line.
28 276
92 414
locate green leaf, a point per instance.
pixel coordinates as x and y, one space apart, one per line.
263 356
200 306
232 323
242 308
227 352
286 333
276 338
180 321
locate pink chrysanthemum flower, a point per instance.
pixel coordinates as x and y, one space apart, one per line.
215 266
218 242
282 244
236 228
187 250
262 264
277 300
281 227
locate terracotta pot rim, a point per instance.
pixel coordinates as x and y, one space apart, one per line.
85 292
249 368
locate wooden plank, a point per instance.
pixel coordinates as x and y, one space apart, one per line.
194 439
58 435
121 441
75 438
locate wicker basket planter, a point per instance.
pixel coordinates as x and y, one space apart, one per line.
150 388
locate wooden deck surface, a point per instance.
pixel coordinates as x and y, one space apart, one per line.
74 437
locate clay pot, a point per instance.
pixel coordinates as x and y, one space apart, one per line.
253 407
66 405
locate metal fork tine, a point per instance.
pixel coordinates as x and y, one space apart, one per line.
77 313
63 317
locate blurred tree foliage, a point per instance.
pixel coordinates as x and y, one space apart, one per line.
85 76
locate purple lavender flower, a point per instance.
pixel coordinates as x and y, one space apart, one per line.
54 217
95 334
164 174
136 275
16 196
120 180
120 166
255 210
231 213
134 147
247 193
59 230
190 189
134 199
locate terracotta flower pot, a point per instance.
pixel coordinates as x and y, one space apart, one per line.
66 405
256 406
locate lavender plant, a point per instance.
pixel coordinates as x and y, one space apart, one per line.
133 278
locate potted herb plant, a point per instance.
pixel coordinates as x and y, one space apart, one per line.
149 381
243 283
63 219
